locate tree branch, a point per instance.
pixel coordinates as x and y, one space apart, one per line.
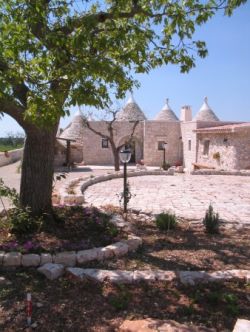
20 90
87 124
131 135
9 107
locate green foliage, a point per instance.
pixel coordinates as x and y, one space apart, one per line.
22 222
231 304
20 219
165 166
12 194
166 221
214 297
211 221
120 301
11 141
54 55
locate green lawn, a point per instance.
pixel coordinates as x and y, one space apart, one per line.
6 147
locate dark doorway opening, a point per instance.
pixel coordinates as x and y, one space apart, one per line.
131 145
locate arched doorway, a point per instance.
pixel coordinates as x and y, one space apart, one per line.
136 147
132 147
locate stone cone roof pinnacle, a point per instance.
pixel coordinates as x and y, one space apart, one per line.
205 113
131 112
166 113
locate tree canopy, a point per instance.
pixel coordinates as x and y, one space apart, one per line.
55 53
59 53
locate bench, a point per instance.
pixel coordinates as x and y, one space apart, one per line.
202 166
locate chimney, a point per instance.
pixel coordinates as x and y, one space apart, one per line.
186 113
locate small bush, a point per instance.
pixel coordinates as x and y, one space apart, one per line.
211 221
165 166
166 221
22 222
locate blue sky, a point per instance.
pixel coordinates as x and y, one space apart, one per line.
223 76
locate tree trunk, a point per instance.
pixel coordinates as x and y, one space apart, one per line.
37 170
117 160
116 156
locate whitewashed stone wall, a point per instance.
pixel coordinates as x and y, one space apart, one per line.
93 153
187 133
169 132
234 150
11 157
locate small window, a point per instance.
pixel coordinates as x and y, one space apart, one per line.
105 143
189 145
161 145
206 147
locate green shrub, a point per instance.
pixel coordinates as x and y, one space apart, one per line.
121 299
211 221
166 221
22 222
165 166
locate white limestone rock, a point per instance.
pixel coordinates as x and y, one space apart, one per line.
46 258
120 277
31 260
119 248
165 275
118 221
230 274
144 276
95 274
67 258
193 277
242 325
76 272
104 253
52 271
89 255
12 259
133 242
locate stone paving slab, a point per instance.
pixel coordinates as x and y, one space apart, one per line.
156 325
242 325
186 195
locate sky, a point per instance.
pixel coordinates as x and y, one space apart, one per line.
223 76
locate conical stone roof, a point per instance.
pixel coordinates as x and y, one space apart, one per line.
75 129
131 112
205 113
166 114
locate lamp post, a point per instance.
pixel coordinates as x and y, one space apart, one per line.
125 156
164 146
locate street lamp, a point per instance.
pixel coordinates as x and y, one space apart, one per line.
164 146
125 156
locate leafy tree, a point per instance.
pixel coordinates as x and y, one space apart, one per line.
57 53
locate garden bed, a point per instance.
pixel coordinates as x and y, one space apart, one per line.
187 247
68 305
75 228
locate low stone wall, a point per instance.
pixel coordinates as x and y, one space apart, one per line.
10 157
220 172
70 258
79 185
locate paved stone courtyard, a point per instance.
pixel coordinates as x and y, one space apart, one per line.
188 196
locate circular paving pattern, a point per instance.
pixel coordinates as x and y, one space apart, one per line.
188 196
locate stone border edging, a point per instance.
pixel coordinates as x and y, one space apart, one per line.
82 184
219 172
72 258
188 278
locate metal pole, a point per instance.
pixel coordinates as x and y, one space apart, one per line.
125 189
164 159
